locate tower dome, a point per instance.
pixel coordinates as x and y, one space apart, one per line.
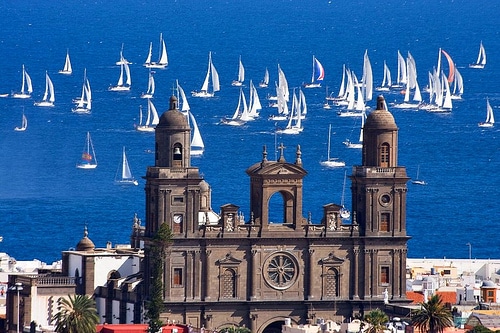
173 118
380 118
85 244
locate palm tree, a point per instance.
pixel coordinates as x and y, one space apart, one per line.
433 316
377 320
77 314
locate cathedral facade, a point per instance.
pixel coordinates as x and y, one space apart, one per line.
227 269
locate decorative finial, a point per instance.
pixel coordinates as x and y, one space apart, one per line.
85 231
381 103
298 161
264 154
281 148
173 103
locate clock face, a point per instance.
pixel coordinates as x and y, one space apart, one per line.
177 218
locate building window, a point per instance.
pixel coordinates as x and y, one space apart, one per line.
331 281
281 271
384 155
384 275
177 200
385 222
177 278
229 284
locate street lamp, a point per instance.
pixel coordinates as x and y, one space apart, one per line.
470 255
18 287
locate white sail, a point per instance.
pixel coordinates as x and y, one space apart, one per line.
24 124
26 86
490 117
213 76
162 58
265 81
67 69
197 144
48 96
241 74
124 174
150 54
481 58
152 119
151 87
84 103
367 78
124 81
181 97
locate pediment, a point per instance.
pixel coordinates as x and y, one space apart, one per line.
230 206
277 169
229 260
331 260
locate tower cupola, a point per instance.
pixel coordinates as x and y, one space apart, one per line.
380 137
173 138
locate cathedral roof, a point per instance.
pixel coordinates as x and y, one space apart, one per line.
173 117
85 244
380 118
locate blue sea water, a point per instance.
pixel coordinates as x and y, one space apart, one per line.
45 202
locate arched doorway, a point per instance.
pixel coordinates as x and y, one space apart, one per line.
274 327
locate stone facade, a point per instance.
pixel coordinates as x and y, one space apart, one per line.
249 271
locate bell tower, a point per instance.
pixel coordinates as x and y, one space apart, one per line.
379 205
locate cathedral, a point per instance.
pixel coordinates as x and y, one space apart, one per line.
234 268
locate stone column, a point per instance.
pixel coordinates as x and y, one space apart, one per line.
253 276
312 272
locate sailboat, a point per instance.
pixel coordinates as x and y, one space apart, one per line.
481 58
254 105
331 162
265 81
67 69
490 118
163 57
318 74
151 87
211 74
48 97
417 180
294 125
152 119
358 145
241 75
197 144
122 58
84 103
386 81
24 124
123 174
123 85
240 115
88 159
344 212
26 87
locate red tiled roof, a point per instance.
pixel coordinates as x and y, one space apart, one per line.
416 297
448 296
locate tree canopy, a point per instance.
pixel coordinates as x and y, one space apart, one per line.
433 316
76 314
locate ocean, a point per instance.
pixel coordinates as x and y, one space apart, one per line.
45 201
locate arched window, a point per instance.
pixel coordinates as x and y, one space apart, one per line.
385 155
331 283
229 284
